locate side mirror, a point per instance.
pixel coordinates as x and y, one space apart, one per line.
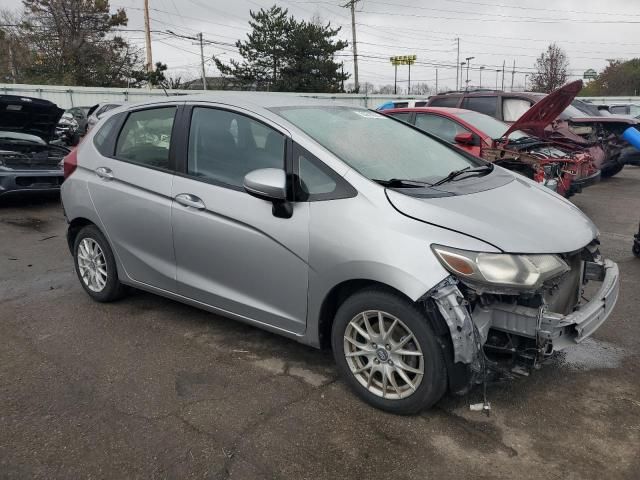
270 184
267 184
465 138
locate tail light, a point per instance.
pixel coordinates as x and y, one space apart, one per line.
70 163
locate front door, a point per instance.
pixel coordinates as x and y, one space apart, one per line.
131 190
232 253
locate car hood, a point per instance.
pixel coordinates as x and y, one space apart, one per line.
32 116
546 110
519 217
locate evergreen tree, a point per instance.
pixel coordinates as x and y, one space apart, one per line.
282 54
263 51
310 65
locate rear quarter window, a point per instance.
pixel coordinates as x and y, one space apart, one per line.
104 138
449 101
486 105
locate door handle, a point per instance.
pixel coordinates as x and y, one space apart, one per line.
104 173
188 200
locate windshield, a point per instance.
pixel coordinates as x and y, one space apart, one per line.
375 145
490 126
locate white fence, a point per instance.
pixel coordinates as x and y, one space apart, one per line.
65 96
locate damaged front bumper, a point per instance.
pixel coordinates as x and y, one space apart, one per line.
537 329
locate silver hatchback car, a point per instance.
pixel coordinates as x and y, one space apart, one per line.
424 268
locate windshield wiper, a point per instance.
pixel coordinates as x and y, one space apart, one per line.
402 183
456 173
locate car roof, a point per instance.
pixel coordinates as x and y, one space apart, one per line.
250 100
445 110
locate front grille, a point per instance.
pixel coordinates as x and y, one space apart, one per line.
39 181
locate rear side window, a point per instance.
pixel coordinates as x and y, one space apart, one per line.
400 104
439 126
449 101
420 104
224 146
514 108
486 105
146 136
404 116
102 139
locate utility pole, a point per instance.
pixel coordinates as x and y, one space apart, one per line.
352 4
481 68
204 75
503 65
12 65
147 37
497 72
409 85
513 74
468 59
342 82
436 81
457 63
525 81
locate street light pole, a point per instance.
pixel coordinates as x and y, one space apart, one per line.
481 68
497 72
462 64
395 80
525 81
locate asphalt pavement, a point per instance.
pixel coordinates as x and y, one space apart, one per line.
150 388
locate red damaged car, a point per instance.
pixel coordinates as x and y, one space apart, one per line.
565 169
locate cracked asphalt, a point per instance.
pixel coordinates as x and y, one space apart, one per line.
150 388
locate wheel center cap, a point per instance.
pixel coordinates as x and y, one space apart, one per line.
382 355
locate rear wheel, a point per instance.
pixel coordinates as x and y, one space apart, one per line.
95 265
387 352
611 170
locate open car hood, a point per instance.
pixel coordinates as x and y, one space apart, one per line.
544 112
32 116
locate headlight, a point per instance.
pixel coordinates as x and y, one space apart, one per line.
501 269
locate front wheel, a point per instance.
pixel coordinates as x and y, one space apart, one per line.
387 352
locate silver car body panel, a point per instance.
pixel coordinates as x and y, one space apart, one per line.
519 212
234 257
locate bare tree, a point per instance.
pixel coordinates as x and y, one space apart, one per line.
385 89
551 68
420 89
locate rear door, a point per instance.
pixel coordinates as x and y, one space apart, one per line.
232 251
131 190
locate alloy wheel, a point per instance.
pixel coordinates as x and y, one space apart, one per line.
92 265
383 354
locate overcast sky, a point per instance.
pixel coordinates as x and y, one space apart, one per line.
492 31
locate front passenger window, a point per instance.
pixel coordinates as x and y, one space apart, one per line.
224 146
146 136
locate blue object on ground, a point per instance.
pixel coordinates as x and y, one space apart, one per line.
632 135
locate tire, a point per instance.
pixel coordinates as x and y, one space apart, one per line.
356 363
611 170
90 251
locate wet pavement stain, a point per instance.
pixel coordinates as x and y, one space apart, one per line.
29 223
